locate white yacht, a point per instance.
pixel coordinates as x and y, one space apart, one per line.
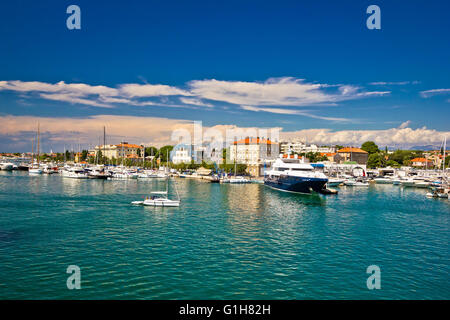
290 175
6 166
75 173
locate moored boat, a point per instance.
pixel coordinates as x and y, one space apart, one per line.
290 175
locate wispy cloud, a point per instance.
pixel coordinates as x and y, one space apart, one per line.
292 112
151 90
405 124
277 92
285 91
195 102
434 92
393 83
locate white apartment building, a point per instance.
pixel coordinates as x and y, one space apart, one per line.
181 155
300 147
116 151
253 152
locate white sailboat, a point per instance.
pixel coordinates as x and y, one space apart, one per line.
35 167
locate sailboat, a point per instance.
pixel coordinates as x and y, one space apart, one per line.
442 191
35 168
235 179
160 199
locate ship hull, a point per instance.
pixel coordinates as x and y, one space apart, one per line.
295 184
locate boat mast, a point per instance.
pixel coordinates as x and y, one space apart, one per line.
151 163
38 146
235 158
104 141
122 154
32 150
443 162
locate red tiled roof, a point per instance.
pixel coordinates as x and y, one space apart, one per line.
328 154
351 149
128 145
254 141
291 156
420 160
132 156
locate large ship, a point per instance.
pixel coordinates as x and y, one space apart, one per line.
291 175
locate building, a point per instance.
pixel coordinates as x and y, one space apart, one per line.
300 147
350 154
116 151
421 163
329 155
181 154
254 152
78 157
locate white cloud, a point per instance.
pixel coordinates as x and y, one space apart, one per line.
73 98
272 92
291 112
433 92
405 124
150 90
275 91
195 102
395 137
393 83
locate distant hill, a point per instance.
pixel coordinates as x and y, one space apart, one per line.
425 148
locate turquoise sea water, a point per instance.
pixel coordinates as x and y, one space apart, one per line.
223 242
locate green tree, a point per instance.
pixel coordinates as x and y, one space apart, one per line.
392 163
84 155
224 155
370 147
376 160
164 151
151 151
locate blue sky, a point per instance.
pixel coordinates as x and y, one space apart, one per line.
297 65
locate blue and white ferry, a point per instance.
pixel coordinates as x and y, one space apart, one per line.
290 174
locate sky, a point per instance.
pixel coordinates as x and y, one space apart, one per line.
145 68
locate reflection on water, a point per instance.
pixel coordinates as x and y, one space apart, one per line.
224 241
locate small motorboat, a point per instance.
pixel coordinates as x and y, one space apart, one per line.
356 183
421 184
437 193
381 180
239 180
35 171
159 199
334 182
